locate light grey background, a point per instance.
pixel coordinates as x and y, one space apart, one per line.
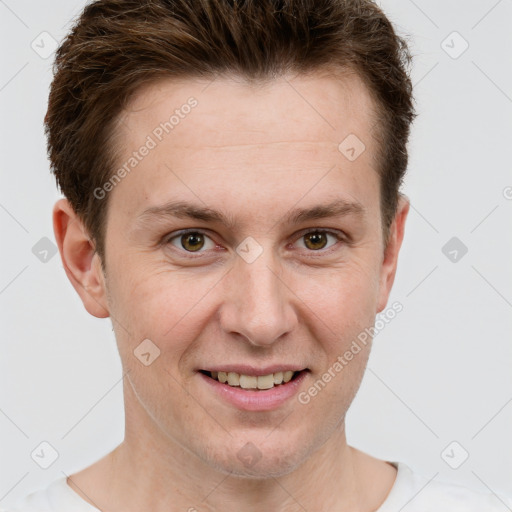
439 372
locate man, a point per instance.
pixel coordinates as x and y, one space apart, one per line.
231 173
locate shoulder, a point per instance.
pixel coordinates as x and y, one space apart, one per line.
56 497
37 501
463 499
422 494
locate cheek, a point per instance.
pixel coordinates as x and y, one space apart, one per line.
344 299
167 307
171 307
344 313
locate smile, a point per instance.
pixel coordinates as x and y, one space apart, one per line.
260 382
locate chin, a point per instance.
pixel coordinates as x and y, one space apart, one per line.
243 459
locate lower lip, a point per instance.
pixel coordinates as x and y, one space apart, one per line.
263 400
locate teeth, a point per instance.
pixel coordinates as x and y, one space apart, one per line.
266 381
252 381
287 376
248 381
234 379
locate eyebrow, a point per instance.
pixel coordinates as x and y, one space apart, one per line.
184 210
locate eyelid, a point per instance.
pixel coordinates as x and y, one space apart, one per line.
329 231
338 234
166 241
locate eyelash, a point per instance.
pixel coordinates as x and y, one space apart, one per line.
340 238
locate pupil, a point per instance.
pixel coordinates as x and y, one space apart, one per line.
318 240
193 241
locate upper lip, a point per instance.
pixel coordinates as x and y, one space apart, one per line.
246 369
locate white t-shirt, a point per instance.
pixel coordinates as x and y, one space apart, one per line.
411 492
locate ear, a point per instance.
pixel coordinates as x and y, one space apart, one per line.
390 257
79 258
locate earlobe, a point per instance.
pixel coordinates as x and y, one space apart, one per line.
390 258
80 261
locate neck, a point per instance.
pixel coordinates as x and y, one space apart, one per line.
151 471
146 476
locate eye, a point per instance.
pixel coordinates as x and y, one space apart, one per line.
317 239
195 241
192 241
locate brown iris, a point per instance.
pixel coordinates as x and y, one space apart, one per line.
317 240
192 241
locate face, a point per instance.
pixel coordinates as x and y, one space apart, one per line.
245 240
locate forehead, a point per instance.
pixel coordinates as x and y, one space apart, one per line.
278 136
234 110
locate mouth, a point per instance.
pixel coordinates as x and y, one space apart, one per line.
254 389
254 382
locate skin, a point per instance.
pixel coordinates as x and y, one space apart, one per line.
255 153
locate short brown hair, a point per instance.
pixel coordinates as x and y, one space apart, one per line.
117 46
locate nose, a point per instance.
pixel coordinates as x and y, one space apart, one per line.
258 302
